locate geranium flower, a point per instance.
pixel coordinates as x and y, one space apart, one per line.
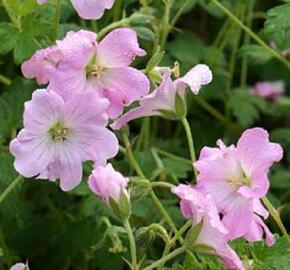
58 136
103 67
236 177
89 9
105 182
19 266
161 101
201 208
268 90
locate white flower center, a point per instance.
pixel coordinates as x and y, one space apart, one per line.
240 181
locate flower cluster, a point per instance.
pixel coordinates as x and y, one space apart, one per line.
230 184
90 10
66 124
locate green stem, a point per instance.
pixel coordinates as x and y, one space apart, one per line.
166 258
140 173
172 156
161 184
5 80
244 69
133 251
56 20
165 26
178 13
274 213
215 113
190 142
104 31
6 192
14 18
251 33
131 156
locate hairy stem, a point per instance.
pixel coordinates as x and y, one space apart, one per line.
190 142
56 20
5 80
166 258
274 213
6 192
256 38
154 198
133 251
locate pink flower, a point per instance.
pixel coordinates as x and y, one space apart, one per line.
201 208
89 9
105 182
162 100
19 266
269 90
58 136
236 177
103 67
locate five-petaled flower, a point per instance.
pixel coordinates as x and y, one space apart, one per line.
161 101
236 177
78 63
59 135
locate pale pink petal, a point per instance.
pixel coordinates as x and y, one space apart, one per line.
119 48
257 154
77 48
42 64
129 83
105 182
195 78
215 239
32 153
92 9
40 2
68 81
260 209
18 266
237 208
43 111
86 109
106 145
161 99
269 90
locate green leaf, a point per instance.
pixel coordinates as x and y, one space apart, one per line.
256 54
8 37
246 107
154 60
25 46
23 7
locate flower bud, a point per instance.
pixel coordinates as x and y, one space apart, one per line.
111 187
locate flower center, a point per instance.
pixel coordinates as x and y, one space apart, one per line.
96 70
59 132
93 69
241 181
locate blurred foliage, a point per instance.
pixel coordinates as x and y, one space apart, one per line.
57 230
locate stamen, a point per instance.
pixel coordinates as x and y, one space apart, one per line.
59 132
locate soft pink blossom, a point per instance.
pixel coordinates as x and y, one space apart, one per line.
236 177
89 9
87 65
162 100
106 182
201 208
19 266
269 90
58 136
